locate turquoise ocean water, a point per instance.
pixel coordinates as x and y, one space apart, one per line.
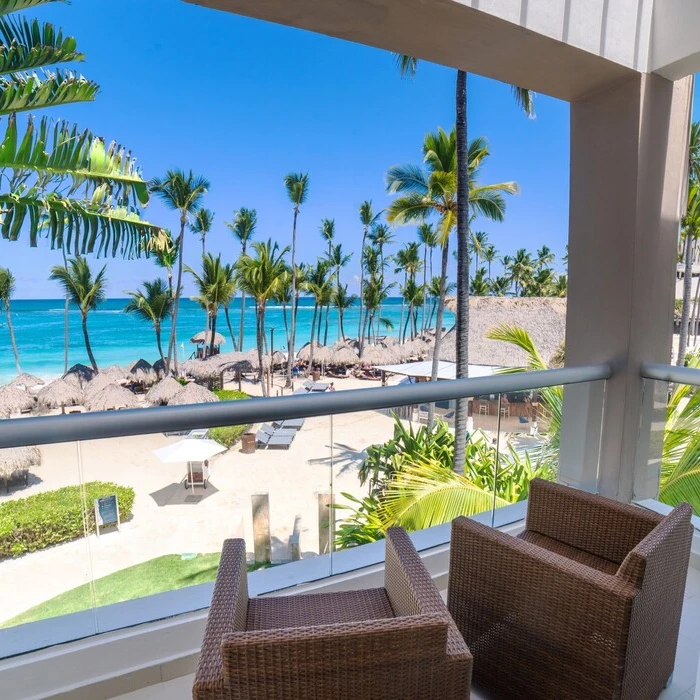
119 338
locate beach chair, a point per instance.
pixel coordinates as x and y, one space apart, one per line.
288 424
261 439
267 428
198 433
319 386
282 442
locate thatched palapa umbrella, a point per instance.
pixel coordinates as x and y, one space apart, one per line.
379 355
204 338
159 368
143 373
117 374
203 370
193 393
60 393
26 381
344 356
163 391
101 381
278 358
15 460
79 375
252 357
111 398
14 400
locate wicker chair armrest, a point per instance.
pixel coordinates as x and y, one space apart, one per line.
227 613
586 521
411 589
496 577
349 660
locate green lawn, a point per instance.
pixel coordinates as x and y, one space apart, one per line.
164 573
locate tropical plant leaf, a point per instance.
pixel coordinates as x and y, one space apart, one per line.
65 151
8 6
80 226
28 44
24 91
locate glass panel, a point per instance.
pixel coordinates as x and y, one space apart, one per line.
674 447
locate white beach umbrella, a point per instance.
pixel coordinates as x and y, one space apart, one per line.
189 450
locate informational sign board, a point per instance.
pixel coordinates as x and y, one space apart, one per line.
106 512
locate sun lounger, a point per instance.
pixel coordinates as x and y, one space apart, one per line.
280 441
301 391
267 428
261 439
319 386
289 424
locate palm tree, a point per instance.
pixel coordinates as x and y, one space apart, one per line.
477 246
560 286
479 285
153 303
85 291
166 257
214 289
7 290
201 225
41 174
545 257
260 277
318 283
228 294
520 268
338 260
181 192
368 219
327 230
428 239
463 166
243 228
433 192
500 286
490 254
297 185
343 301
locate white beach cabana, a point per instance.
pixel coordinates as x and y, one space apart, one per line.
193 451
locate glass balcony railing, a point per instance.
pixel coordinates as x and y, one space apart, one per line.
123 513
672 459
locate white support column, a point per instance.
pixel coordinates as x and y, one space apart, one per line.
628 171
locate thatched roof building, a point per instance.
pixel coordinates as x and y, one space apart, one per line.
344 356
99 382
193 393
163 391
79 375
543 318
17 459
111 398
379 355
143 373
60 393
26 381
14 400
203 370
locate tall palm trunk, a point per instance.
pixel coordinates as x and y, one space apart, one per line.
403 308
687 291
260 338
240 327
12 336
362 285
284 315
88 347
212 330
462 325
425 291
292 335
230 329
172 345
340 324
438 327
311 344
66 333
157 328
325 331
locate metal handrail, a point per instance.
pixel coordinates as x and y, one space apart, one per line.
670 373
110 424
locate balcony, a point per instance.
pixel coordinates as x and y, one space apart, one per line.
149 645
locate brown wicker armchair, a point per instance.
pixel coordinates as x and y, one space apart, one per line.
585 603
385 643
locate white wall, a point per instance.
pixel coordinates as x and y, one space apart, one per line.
675 38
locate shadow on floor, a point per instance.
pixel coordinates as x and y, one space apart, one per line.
178 495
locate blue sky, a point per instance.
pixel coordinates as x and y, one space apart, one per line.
244 102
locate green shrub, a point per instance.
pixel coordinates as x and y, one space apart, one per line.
49 518
231 395
228 435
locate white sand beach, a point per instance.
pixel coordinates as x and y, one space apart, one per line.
313 464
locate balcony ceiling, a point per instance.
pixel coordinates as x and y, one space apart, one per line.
446 32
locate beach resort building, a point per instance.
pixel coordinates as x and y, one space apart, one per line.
626 69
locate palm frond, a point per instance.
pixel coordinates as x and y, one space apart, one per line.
406 178
27 45
8 6
408 209
21 92
525 99
407 65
